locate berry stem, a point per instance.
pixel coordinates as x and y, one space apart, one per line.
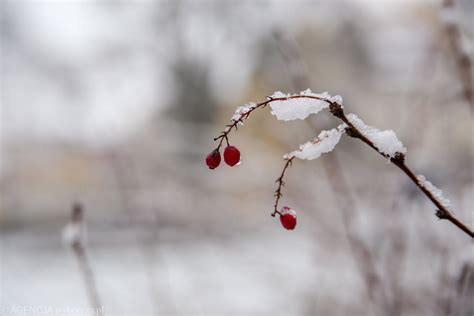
281 184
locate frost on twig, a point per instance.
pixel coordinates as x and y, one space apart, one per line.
385 141
324 143
300 106
436 192
242 111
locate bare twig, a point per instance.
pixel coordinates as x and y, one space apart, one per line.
281 184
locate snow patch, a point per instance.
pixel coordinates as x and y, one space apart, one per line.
324 143
73 233
437 193
287 210
385 141
302 105
241 111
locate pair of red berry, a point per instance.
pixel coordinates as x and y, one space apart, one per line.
231 157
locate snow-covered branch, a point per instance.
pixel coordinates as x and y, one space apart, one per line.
74 236
299 106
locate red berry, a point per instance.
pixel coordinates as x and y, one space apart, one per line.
288 218
213 159
231 155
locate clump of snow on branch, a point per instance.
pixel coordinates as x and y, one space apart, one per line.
324 143
74 233
287 210
385 141
241 111
437 193
300 106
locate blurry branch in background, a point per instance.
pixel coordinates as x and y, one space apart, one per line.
462 302
359 250
127 182
393 272
74 236
463 61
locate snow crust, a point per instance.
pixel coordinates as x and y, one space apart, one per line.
324 143
437 193
73 233
287 210
242 110
386 141
301 105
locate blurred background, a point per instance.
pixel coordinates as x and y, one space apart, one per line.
115 105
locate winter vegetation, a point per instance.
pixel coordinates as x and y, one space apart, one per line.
288 107
133 183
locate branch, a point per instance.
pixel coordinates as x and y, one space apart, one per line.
336 109
281 184
399 161
233 125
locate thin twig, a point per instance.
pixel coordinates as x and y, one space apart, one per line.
233 125
281 184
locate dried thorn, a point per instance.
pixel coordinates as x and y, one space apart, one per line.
441 214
